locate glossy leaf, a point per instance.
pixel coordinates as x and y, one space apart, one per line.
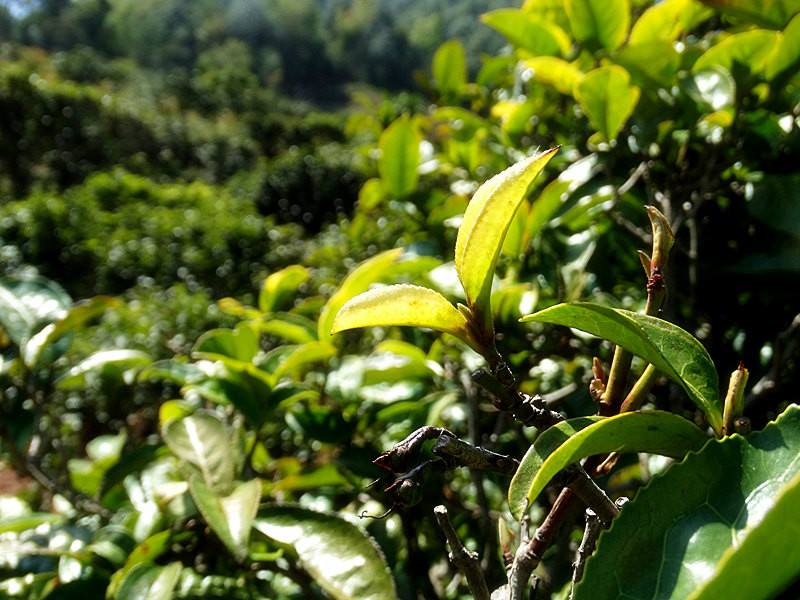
26 304
713 88
484 226
529 32
608 98
652 65
203 441
126 362
357 281
657 432
772 14
667 20
687 534
240 344
449 69
75 317
337 554
403 305
671 349
230 517
751 49
150 581
601 23
397 165
280 286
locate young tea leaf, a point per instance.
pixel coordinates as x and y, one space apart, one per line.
607 98
599 22
484 227
397 164
404 305
657 432
721 524
671 349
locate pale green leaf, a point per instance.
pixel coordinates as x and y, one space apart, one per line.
28 303
772 14
337 554
787 54
146 580
601 23
203 440
667 20
608 98
358 280
397 165
230 517
126 362
403 305
240 344
529 32
449 69
555 71
484 227
303 355
280 286
671 349
722 524
751 49
657 432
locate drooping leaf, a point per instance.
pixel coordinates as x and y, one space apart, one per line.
657 432
146 580
403 305
667 20
203 440
524 30
671 349
338 555
280 286
484 226
357 281
450 69
608 98
687 534
230 517
602 23
751 49
397 165
128 362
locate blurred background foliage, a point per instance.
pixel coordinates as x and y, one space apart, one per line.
208 173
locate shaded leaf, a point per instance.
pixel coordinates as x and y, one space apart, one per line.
231 516
601 23
484 227
338 555
772 14
608 98
657 432
775 200
149 581
449 69
787 54
403 305
240 344
397 165
683 534
203 440
671 349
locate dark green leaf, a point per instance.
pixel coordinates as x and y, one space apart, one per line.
656 432
705 528
449 69
667 346
338 555
149 581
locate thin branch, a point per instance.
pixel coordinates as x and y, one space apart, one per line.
590 534
464 560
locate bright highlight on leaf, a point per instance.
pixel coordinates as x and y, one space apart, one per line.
484 227
671 349
404 305
657 432
608 98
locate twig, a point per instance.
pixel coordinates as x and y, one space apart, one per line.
464 560
590 534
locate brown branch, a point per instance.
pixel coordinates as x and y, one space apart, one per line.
464 560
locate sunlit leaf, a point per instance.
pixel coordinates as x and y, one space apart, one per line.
26 304
450 69
652 65
230 517
403 305
751 49
713 88
529 32
484 227
128 362
357 281
667 20
608 98
555 71
397 165
294 328
787 54
657 432
203 440
772 14
550 10
722 524
671 349
240 344
280 286
305 354
146 580
338 555
601 23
